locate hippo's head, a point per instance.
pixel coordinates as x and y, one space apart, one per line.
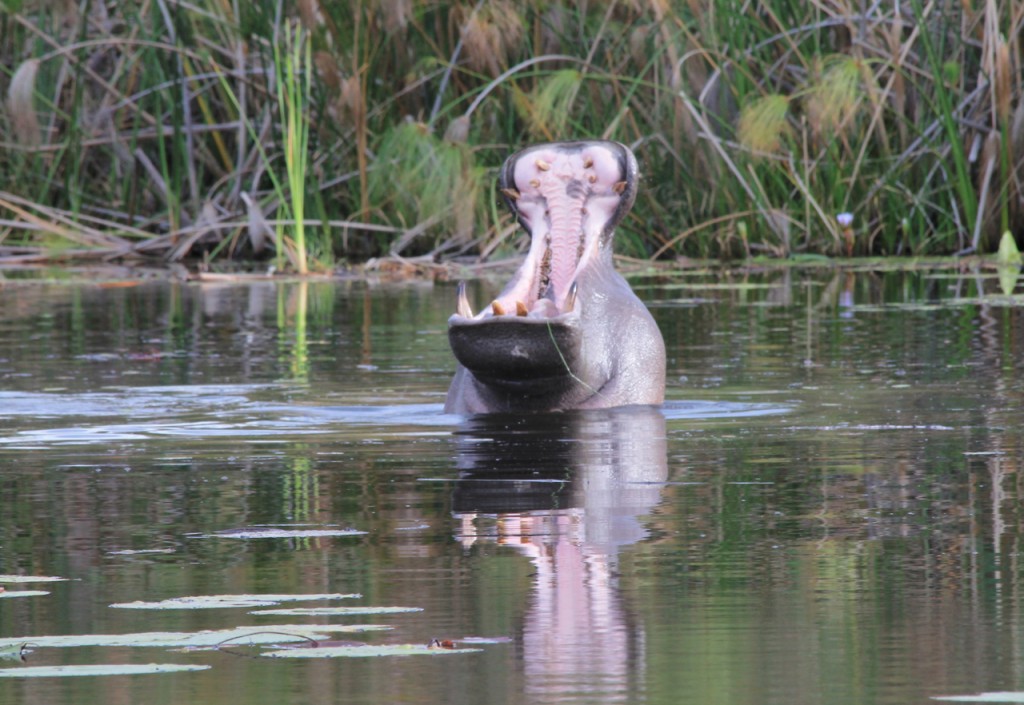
567 331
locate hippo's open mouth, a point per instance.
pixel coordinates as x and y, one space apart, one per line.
569 196
566 332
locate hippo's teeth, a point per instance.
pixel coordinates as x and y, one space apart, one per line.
511 194
535 183
498 309
570 299
619 187
543 165
521 309
588 162
462 302
592 178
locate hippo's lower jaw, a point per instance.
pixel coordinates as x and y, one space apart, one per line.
567 331
529 356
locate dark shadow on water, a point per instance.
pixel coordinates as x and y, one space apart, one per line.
568 491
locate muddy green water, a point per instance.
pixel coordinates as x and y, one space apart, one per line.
826 510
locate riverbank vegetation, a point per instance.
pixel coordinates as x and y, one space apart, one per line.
319 132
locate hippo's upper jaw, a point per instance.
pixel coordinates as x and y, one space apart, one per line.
567 331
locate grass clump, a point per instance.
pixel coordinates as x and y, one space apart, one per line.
364 128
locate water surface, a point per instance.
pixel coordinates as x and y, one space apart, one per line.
825 509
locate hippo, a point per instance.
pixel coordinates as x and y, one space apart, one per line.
567 332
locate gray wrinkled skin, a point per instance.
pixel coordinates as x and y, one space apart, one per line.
567 332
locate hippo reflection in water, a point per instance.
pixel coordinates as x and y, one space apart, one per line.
567 332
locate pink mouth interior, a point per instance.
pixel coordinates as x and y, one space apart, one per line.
566 199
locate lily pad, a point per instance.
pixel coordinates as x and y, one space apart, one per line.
271 532
23 593
103 669
206 602
367 651
995 697
30 579
336 611
237 636
14 652
485 640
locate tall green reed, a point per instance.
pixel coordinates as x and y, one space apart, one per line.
293 64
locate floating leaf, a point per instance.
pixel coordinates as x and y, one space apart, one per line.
995 697
206 602
238 636
332 611
22 593
278 533
30 579
367 651
112 669
14 652
485 640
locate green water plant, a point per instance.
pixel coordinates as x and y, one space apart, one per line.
293 70
236 636
197 602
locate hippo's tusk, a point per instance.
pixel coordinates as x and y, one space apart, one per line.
521 309
511 194
498 309
570 299
462 306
